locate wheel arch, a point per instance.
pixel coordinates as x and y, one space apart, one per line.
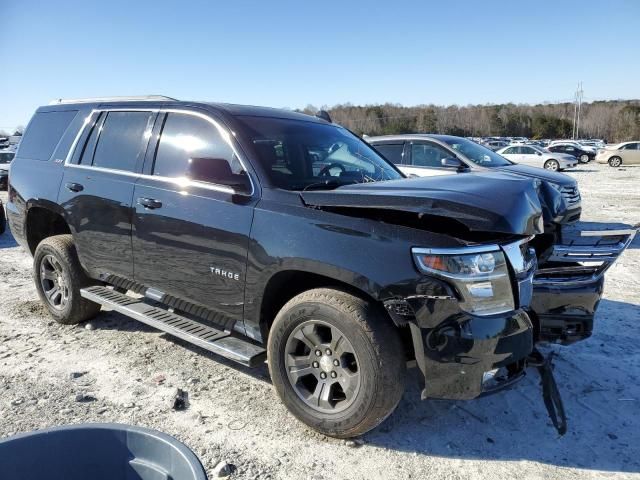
283 285
43 220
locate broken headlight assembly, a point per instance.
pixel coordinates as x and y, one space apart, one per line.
480 275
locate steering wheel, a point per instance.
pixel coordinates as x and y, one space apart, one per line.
325 172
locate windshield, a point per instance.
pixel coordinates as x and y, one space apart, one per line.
6 157
476 153
300 155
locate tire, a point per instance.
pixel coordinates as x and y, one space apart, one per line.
56 266
584 158
615 162
368 359
552 165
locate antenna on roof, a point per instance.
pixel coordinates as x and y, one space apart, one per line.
324 115
139 98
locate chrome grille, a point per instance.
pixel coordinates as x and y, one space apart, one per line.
571 194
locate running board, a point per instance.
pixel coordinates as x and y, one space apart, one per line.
211 339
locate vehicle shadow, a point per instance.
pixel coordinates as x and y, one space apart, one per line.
598 381
7 240
572 232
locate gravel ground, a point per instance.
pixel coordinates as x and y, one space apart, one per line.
117 370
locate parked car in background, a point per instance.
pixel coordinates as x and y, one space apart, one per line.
627 153
5 161
582 153
495 144
537 157
431 155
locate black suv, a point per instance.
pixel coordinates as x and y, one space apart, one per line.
266 234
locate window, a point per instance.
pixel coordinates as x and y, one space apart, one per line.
630 146
304 155
428 155
392 152
510 151
90 145
185 137
6 157
569 148
43 134
527 151
121 140
476 153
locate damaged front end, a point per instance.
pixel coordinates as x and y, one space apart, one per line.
569 283
465 352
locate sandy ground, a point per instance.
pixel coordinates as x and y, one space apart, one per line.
234 413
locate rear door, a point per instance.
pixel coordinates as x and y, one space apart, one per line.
425 159
97 189
191 235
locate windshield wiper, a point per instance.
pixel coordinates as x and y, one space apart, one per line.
328 184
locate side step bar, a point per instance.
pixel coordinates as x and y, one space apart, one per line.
211 339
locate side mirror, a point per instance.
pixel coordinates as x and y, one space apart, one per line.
452 162
539 154
218 170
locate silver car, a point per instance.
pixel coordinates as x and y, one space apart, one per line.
538 157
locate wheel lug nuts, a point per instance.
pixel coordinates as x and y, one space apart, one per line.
318 353
336 362
334 374
315 364
323 375
327 351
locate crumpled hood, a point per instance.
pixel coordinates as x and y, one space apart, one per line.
484 202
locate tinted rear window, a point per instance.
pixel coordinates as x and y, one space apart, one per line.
392 152
44 133
121 141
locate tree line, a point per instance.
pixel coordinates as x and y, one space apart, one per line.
613 121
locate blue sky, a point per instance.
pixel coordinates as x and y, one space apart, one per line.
290 54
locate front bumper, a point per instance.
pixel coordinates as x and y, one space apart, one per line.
459 356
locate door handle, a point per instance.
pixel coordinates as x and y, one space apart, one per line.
74 187
150 203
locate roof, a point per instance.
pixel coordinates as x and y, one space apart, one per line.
228 108
413 136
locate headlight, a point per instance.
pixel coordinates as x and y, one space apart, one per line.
480 276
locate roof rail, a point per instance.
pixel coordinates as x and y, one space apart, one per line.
139 98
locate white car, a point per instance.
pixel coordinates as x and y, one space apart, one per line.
537 157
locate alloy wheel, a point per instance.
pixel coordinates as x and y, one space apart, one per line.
322 366
552 165
53 282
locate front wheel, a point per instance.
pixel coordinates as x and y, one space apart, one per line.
336 362
615 162
59 278
584 158
552 165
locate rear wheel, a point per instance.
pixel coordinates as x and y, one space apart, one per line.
59 278
584 158
336 362
552 165
615 162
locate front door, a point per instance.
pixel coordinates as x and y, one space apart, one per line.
97 189
191 235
